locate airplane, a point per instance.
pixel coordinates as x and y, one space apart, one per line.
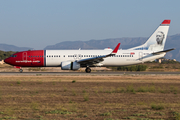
152 49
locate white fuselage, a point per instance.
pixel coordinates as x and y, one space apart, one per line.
123 57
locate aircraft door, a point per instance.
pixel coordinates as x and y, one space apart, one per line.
140 56
24 54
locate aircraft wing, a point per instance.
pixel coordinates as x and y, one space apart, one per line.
164 51
95 60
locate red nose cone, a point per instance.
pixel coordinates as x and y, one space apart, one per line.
6 60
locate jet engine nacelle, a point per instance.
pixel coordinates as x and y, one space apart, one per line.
68 65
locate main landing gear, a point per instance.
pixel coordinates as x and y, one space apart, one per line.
20 70
88 70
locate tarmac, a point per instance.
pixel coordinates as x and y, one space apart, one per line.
84 73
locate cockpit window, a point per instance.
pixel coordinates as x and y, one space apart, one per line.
13 56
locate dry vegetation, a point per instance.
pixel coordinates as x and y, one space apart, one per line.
90 97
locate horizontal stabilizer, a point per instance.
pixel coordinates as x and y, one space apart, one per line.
164 51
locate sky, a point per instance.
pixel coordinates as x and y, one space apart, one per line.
38 23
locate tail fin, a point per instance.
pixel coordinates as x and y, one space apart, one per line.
156 41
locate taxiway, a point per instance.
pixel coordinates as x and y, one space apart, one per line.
92 73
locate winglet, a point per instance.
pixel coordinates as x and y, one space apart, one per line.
116 48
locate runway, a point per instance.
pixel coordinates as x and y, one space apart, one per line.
92 73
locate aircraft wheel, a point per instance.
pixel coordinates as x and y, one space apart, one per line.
20 70
88 70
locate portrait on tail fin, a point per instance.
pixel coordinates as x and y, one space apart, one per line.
159 37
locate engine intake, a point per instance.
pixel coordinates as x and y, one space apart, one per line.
68 65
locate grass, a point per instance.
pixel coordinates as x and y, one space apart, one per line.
146 89
40 82
159 113
73 108
54 83
65 89
120 90
38 74
96 91
106 114
139 114
18 82
58 112
86 96
174 89
101 88
8 111
8 117
80 100
74 92
73 81
0 95
157 106
34 105
130 89
141 103
176 115
143 89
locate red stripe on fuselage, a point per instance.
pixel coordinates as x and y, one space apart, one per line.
33 58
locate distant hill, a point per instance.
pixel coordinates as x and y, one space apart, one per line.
97 44
171 42
6 47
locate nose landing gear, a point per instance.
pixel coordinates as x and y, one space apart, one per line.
20 69
88 70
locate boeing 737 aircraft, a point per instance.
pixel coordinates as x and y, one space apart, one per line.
152 49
